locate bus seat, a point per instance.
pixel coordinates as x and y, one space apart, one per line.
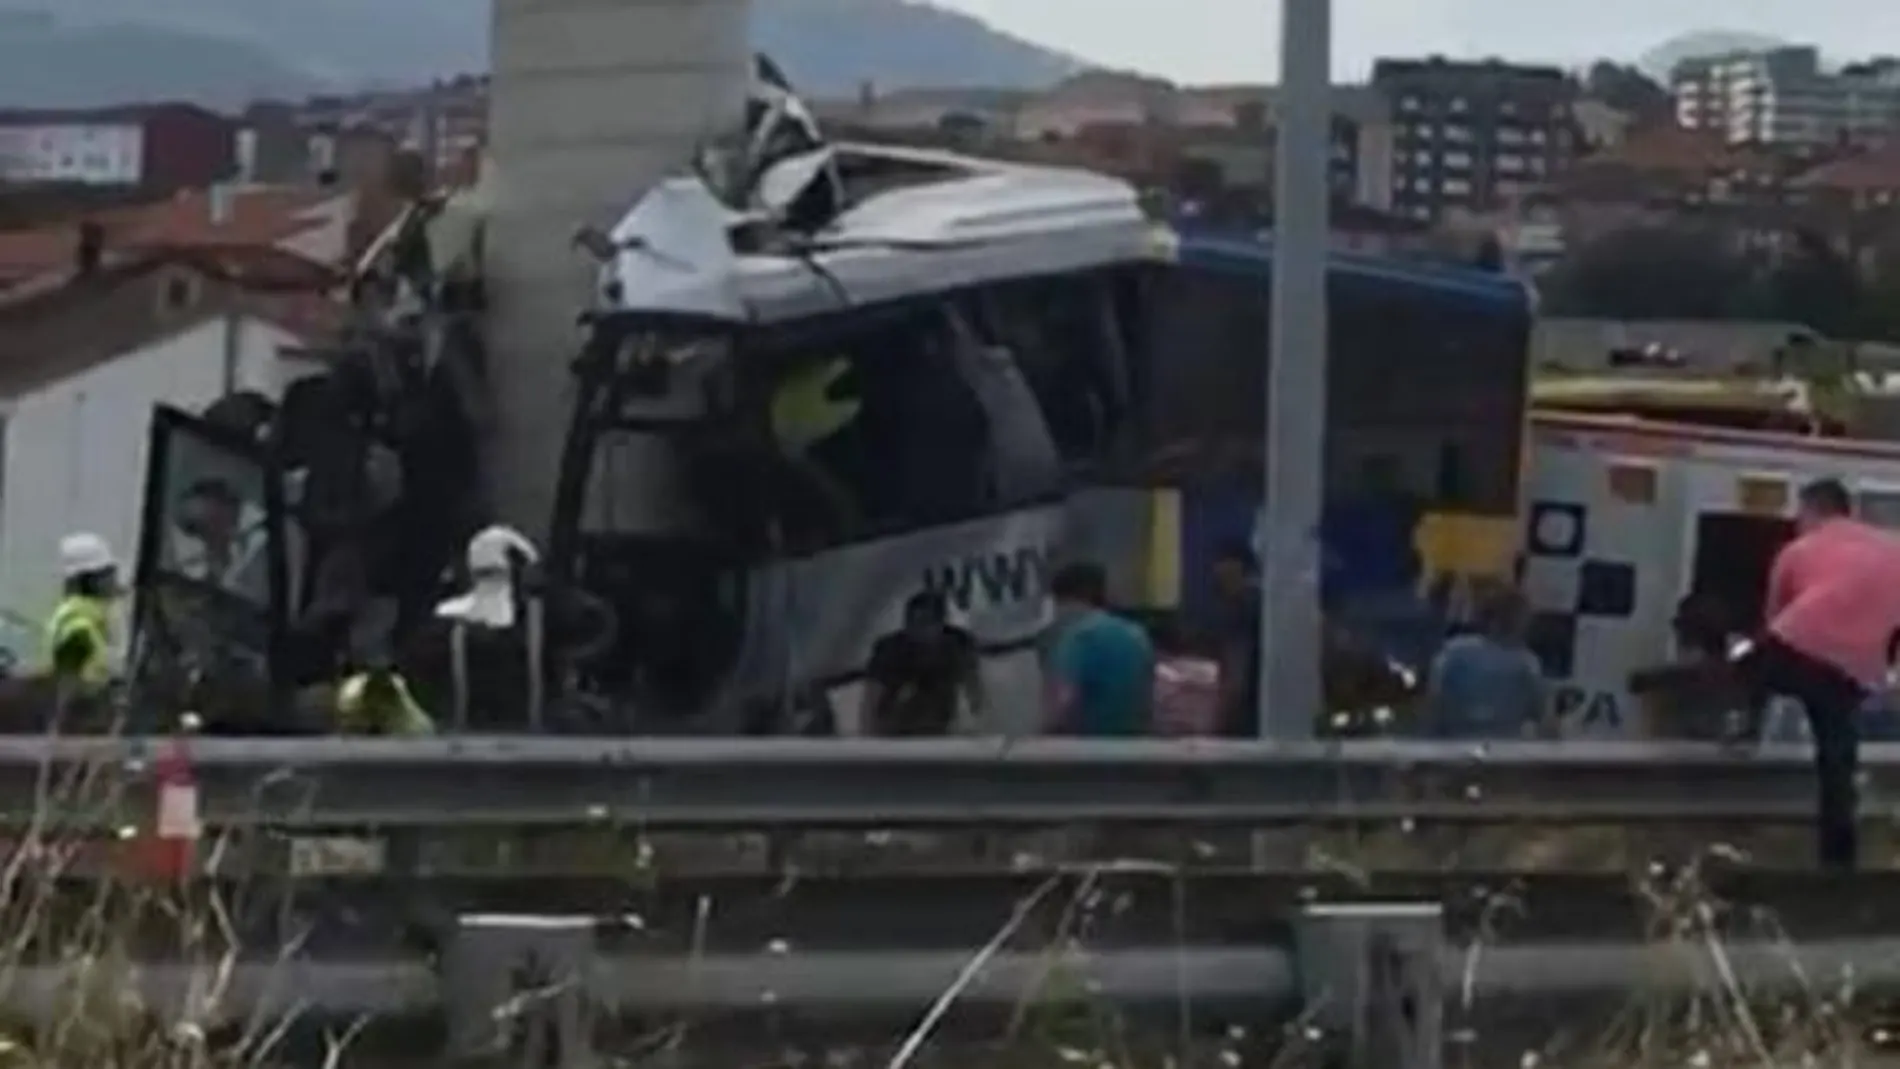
1462 544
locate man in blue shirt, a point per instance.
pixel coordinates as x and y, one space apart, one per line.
1488 684
1101 671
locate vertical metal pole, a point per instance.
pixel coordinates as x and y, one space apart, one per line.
1370 977
1296 377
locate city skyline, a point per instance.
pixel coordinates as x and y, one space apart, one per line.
1203 40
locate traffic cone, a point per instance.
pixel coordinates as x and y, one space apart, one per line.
172 847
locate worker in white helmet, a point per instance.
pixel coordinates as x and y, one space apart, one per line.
79 633
494 556
497 611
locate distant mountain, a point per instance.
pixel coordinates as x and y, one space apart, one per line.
223 52
42 65
1659 61
831 47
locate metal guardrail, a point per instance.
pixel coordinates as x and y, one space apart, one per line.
1250 981
1125 906
1179 954
477 782
1371 980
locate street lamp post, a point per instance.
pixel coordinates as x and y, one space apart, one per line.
1290 680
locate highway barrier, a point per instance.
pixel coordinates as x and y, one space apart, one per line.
709 785
1382 972
1375 969
1258 985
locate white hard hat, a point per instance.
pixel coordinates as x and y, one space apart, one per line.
493 547
84 553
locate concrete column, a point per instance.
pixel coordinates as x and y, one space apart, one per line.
592 101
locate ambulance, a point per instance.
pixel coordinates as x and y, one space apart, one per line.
1626 515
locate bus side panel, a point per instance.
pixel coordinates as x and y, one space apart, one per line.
1214 517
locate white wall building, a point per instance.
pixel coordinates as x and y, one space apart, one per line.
99 154
1782 96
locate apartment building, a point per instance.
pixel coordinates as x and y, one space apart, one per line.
1470 136
1783 97
1236 128
1135 126
159 147
444 122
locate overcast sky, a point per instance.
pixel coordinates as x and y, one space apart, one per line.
1234 40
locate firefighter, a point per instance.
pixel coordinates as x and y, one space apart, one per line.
807 408
79 632
497 634
376 701
811 412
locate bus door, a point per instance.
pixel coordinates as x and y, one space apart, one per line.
210 605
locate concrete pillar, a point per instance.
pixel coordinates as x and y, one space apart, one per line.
592 101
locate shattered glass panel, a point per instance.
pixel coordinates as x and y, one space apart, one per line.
205 605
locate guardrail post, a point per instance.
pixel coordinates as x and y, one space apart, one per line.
516 985
1370 975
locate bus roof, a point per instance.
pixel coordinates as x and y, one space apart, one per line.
1243 253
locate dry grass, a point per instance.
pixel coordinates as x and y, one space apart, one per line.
1784 1015
98 1022
1780 1016
95 1017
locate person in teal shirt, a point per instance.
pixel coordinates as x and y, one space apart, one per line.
1101 670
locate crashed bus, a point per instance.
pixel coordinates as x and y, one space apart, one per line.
815 381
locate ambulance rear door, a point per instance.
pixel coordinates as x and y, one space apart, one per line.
1600 566
1741 514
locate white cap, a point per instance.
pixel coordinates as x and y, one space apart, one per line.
491 548
84 553
490 600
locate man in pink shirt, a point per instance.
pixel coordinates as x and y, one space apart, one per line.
1831 612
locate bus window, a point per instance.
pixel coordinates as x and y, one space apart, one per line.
879 413
1443 381
1202 360
1026 466
1066 337
1453 477
1435 378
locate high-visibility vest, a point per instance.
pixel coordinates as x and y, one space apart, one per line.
77 615
803 411
404 717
